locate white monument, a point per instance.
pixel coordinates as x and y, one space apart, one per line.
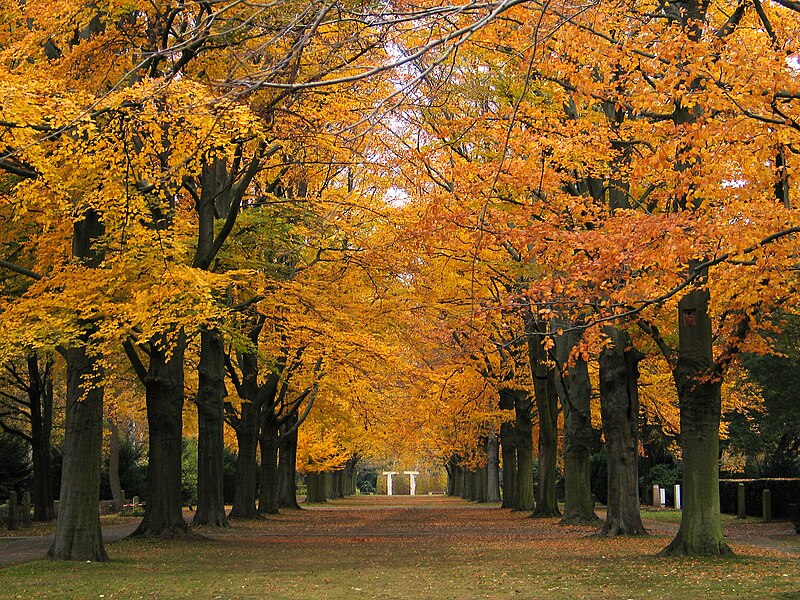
412 476
389 481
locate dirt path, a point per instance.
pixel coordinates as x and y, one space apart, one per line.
776 536
15 550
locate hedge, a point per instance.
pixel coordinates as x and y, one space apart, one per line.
784 491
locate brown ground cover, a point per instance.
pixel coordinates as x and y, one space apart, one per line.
401 547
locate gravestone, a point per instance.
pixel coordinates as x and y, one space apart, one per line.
766 505
677 496
740 508
26 509
794 515
12 511
656 496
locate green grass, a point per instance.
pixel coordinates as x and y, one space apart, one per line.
436 550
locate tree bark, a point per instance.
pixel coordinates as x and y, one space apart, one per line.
287 467
268 488
41 406
524 494
244 499
700 532
619 407
315 484
575 392
211 395
492 468
78 535
547 410
508 447
164 389
113 464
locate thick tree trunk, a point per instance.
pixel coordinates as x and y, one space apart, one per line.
700 532
619 406
268 488
211 395
315 484
244 499
547 409
287 468
349 483
575 391
41 404
524 494
113 465
78 535
482 484
492 468
508 446
164 389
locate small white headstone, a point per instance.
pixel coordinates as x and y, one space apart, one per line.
656 496
678 496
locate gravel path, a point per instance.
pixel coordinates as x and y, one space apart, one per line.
15 550
778 536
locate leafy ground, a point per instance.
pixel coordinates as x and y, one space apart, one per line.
424 547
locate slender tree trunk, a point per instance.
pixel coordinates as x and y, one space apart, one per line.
547 409
287 466
268 488
575 391
244 499
508 436
524 496
164 389
113 464
41 404
619 406
700 532
211 395
78 535
492 468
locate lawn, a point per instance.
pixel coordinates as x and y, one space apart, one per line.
411 548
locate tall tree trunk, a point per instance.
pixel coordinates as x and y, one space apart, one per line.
164 389
575 391
244 499
78 535
547 409
482 483
287 467
268 488
349 484
508 447
211 395
524 496
619 406
316 484
492 468
700 532
41 406
113 464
